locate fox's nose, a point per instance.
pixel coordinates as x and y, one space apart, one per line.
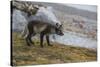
61 33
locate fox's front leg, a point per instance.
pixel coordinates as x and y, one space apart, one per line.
48 41
41 39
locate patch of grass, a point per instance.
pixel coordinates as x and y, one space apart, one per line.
58 53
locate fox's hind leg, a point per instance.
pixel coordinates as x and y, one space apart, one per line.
30 32
27 40
30 38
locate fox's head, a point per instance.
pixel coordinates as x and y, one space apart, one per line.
59 29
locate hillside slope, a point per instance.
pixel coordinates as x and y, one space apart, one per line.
58 53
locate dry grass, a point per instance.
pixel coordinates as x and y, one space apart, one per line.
58 53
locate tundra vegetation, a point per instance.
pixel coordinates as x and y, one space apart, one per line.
58 53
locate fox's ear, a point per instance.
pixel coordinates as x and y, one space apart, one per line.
57 24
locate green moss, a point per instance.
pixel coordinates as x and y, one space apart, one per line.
25 55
